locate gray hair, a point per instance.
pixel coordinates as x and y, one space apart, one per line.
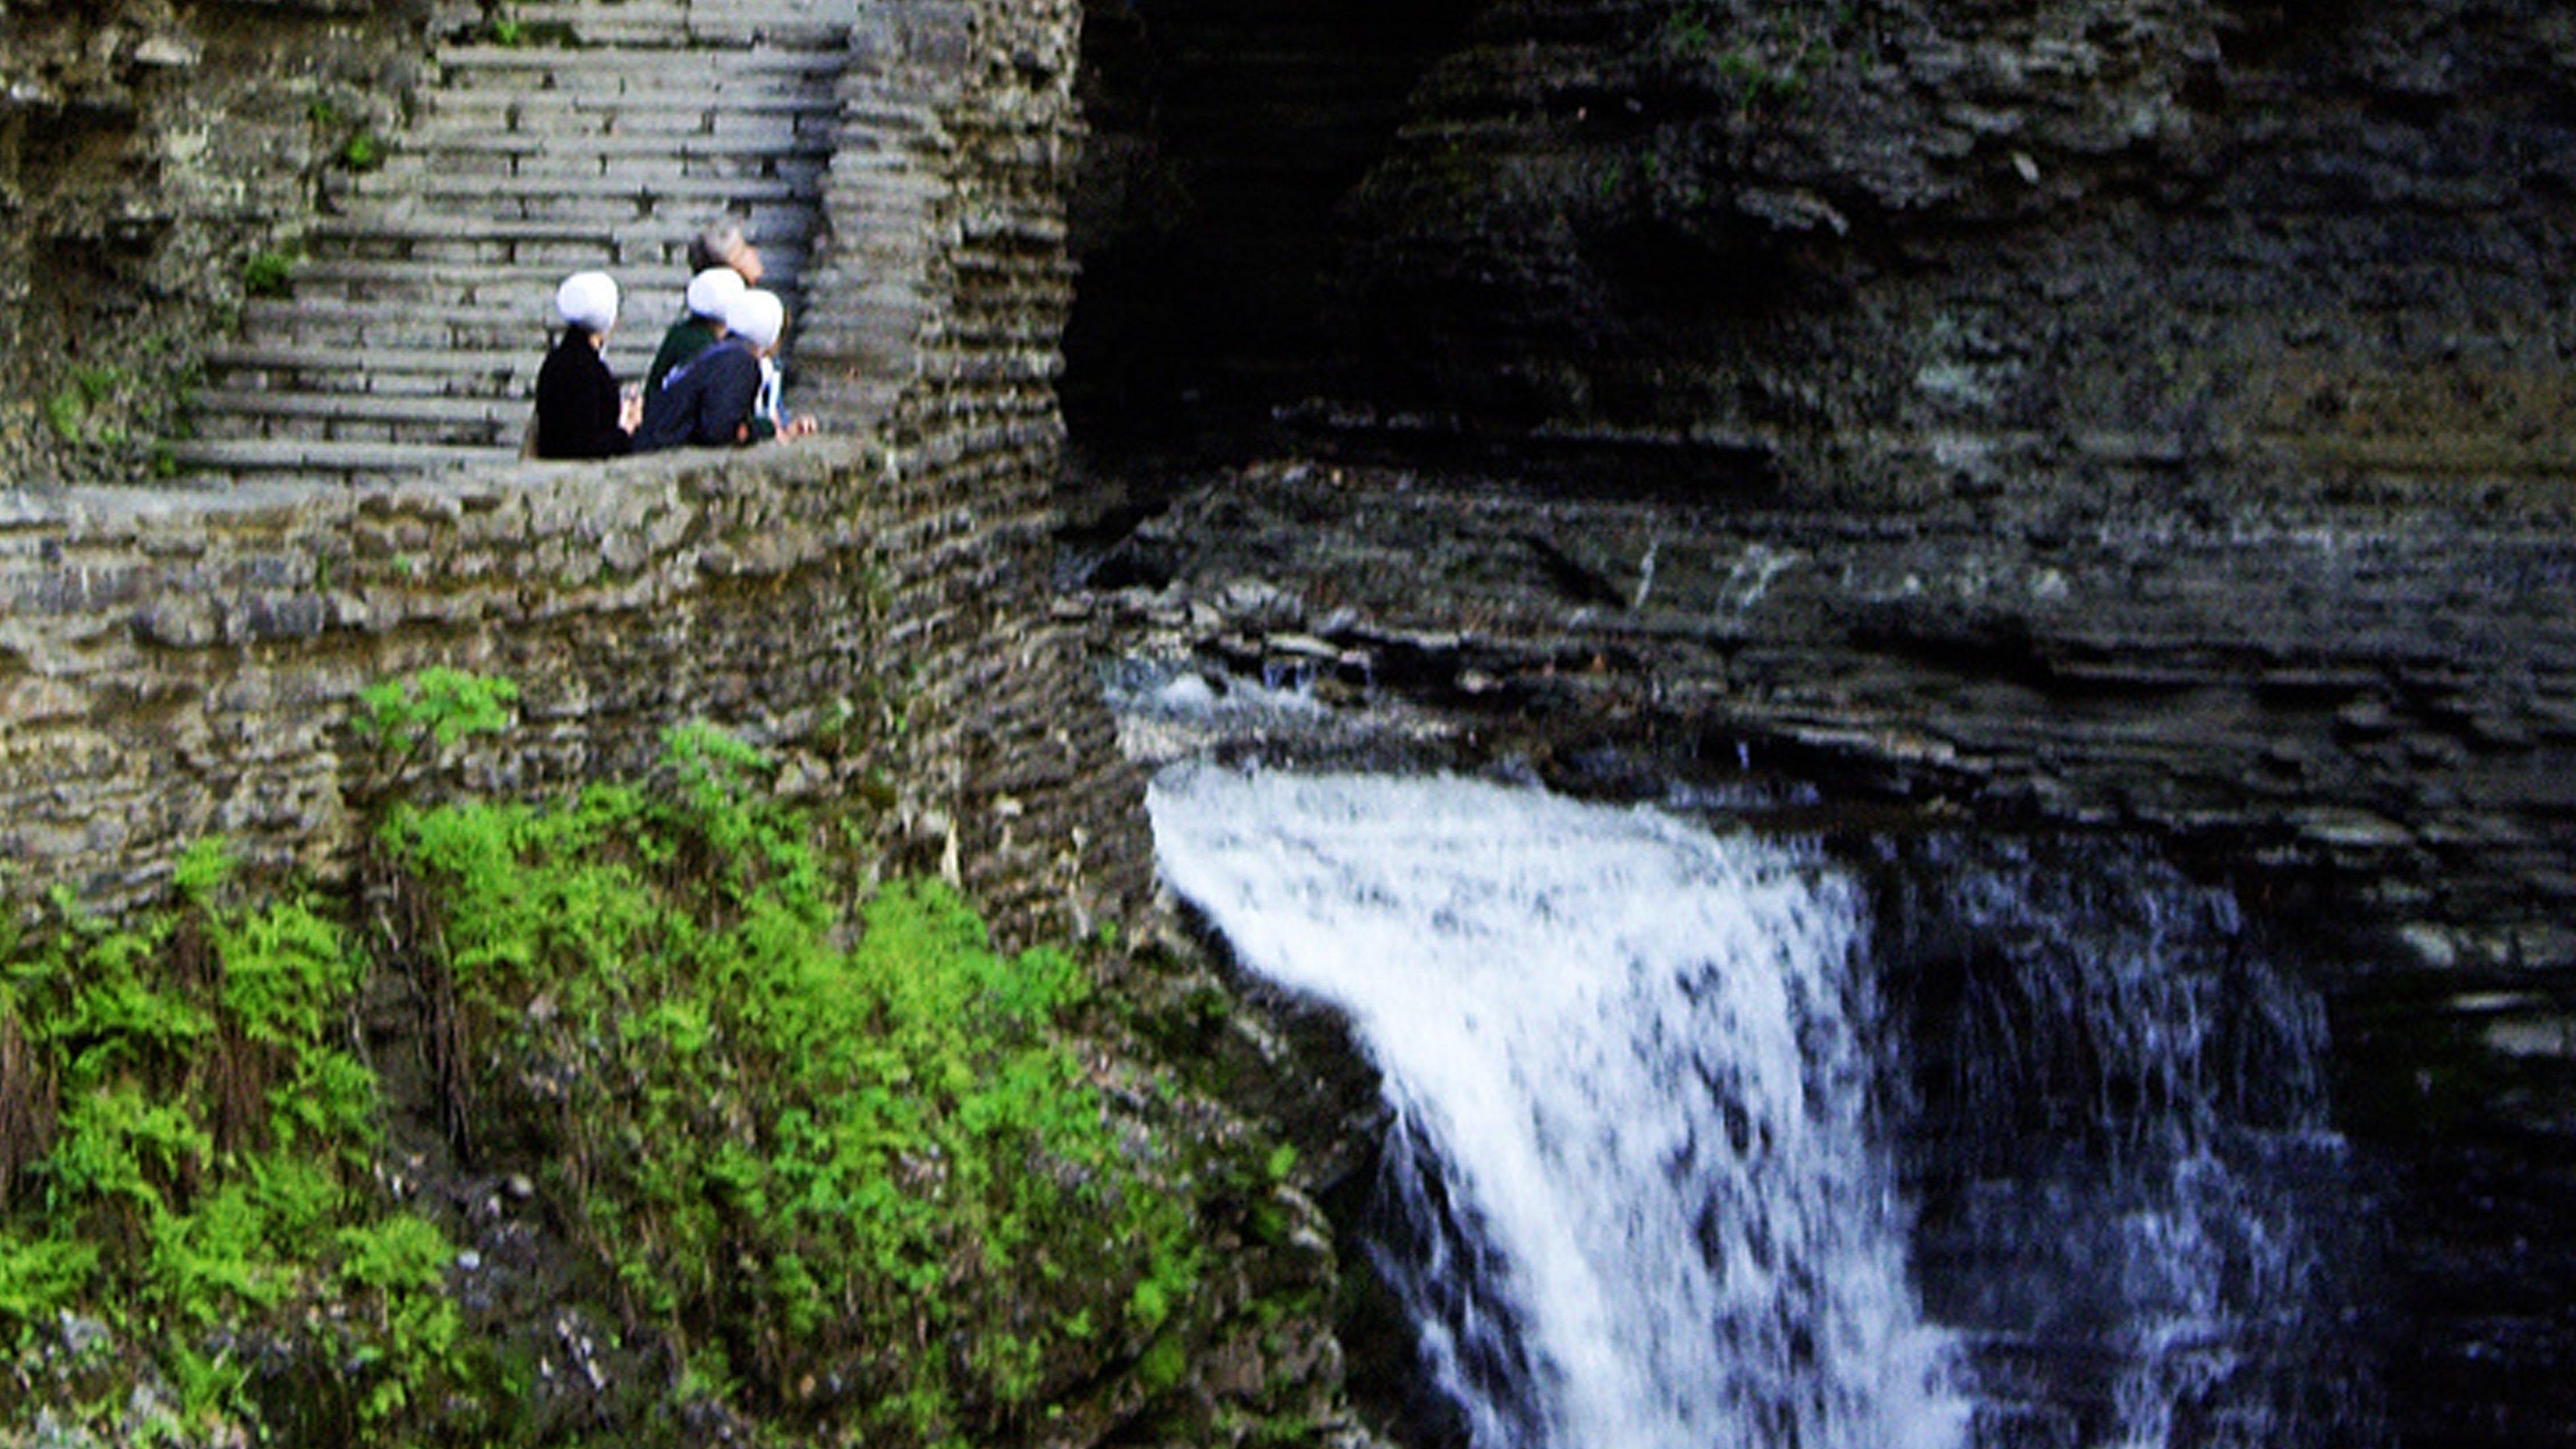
716 245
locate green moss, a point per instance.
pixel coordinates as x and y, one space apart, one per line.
64 413
269 274
86 389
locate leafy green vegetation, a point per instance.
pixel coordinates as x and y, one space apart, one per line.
806 1156
437 707
1766 60
185 1138
852 1182
87 389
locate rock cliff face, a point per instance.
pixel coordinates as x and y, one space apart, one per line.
2115 413
1893 245
147 152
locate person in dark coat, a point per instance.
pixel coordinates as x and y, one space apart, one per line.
710 292
711 402
705 402
579 411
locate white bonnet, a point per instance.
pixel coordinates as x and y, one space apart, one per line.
712 291
756 316
588 300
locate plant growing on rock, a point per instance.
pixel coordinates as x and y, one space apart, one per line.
268 274
411 722
807 1157
831 1154
362 151
194 1248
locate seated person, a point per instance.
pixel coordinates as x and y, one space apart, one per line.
769 415
722 244
712 400
579 411
710 292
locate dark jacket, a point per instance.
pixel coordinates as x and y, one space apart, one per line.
704 403
577 402
680 346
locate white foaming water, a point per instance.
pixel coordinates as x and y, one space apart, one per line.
1633 1050
2139 1097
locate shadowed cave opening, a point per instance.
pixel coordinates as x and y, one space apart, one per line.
1225 138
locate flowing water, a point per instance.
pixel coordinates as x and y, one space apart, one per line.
1672 1128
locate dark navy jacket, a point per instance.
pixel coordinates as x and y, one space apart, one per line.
706 402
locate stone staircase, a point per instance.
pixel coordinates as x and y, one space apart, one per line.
421 310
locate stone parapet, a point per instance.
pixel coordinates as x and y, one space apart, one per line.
868 607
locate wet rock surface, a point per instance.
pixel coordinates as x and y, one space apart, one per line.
2360 715
2141 415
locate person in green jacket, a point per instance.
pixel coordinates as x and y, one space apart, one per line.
710 293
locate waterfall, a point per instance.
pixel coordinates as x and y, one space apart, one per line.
2132 1204
1705 1141
1629 1066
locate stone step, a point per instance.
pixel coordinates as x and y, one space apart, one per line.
702 32
719 69
774 122
635 247
302 459
528 290
425 283
575 14
536 226
464 326
557 168
577 148
458 195
360 417
444 110
481 372
453 110
555 171
611 233
429 408
408 325
388 363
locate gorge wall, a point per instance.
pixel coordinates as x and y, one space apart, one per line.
2117 414
1880 247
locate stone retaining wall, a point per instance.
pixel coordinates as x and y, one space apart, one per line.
869 609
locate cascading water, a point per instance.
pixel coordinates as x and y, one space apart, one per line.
1627 1062
2131 1202
1672 1173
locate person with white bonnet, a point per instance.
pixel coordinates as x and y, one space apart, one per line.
710 401
710 292
579 411
764 320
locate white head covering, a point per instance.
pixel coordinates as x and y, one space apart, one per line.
588 300
757 317
713 290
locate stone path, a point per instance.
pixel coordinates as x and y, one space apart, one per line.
604 138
